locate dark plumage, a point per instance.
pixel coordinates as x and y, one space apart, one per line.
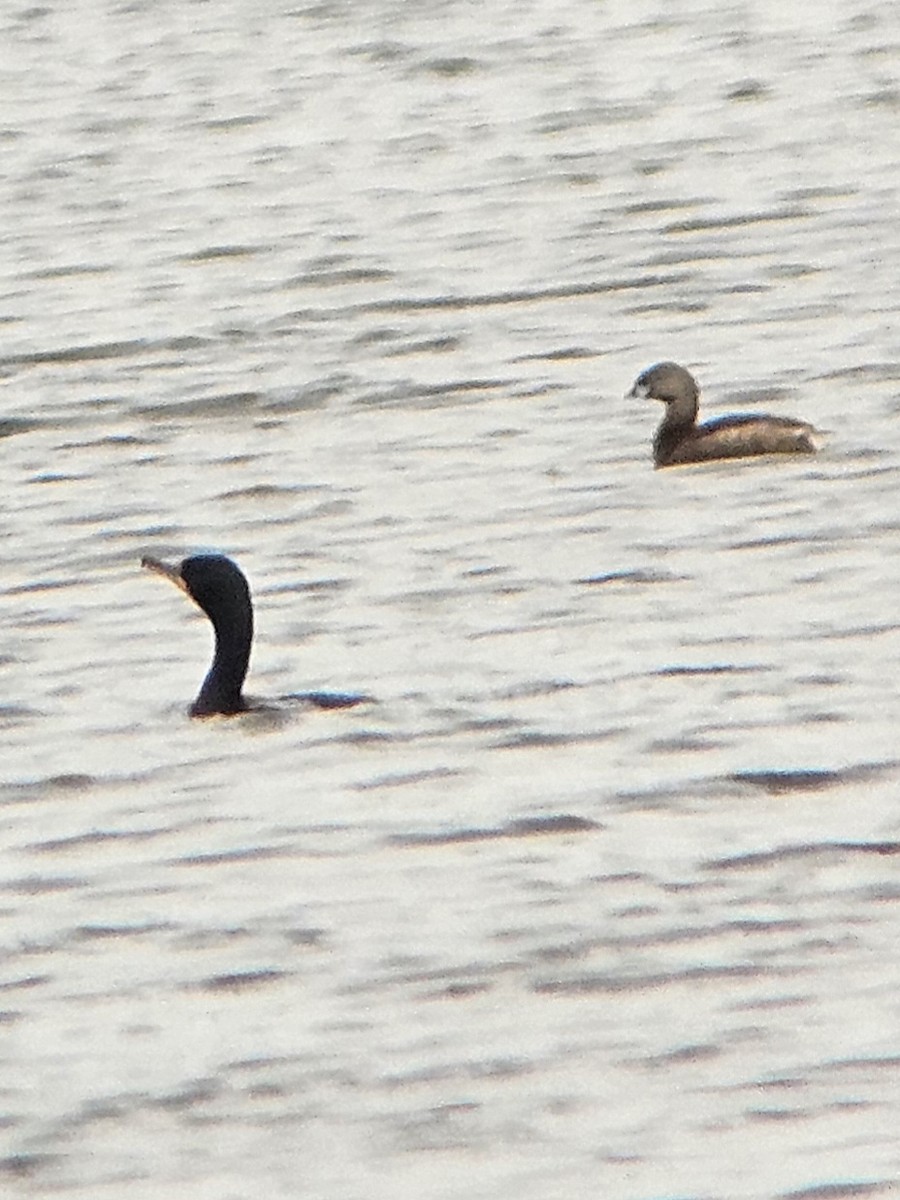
680 439
220 588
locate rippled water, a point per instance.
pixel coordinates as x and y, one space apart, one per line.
599 896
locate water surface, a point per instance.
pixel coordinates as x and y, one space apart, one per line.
598 896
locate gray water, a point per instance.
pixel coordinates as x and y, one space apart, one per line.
598 897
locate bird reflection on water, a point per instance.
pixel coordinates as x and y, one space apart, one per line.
219 587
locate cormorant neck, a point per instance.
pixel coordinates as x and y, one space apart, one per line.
222 688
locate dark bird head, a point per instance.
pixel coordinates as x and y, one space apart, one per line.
672 384
220 588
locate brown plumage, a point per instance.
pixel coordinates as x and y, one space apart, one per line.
679 439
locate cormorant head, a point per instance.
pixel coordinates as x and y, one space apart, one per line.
217 584
212 581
